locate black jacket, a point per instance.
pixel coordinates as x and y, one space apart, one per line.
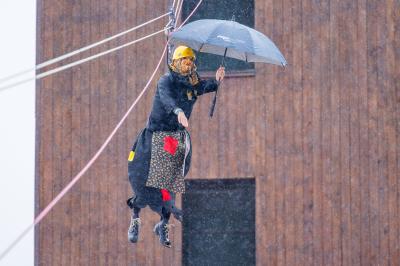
175 91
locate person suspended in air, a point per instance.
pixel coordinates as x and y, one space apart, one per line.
161 154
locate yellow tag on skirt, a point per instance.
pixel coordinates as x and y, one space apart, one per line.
131 155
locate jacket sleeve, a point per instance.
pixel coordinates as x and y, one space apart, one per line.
167 97
206 86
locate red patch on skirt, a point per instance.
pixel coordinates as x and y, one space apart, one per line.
165 195
170 144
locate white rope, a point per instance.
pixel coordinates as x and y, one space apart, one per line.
57 59
16 75
178 11
177 6
53 71
49 62
47 73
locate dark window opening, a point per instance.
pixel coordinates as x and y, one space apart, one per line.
237 10
219 222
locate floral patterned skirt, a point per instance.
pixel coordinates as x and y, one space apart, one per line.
168 153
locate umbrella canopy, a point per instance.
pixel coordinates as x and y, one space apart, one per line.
228 38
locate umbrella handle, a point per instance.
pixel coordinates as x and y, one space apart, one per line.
223 59
213 103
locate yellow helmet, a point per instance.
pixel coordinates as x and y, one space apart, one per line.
183 51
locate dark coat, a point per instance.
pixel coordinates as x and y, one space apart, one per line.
173 91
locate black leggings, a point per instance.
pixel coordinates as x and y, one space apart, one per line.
165 214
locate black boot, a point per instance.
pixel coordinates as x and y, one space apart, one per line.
161 229
133 231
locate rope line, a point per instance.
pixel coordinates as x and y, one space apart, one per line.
61 68
16 75
45 74
178 11
62 57
47 209
173 4
49 62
